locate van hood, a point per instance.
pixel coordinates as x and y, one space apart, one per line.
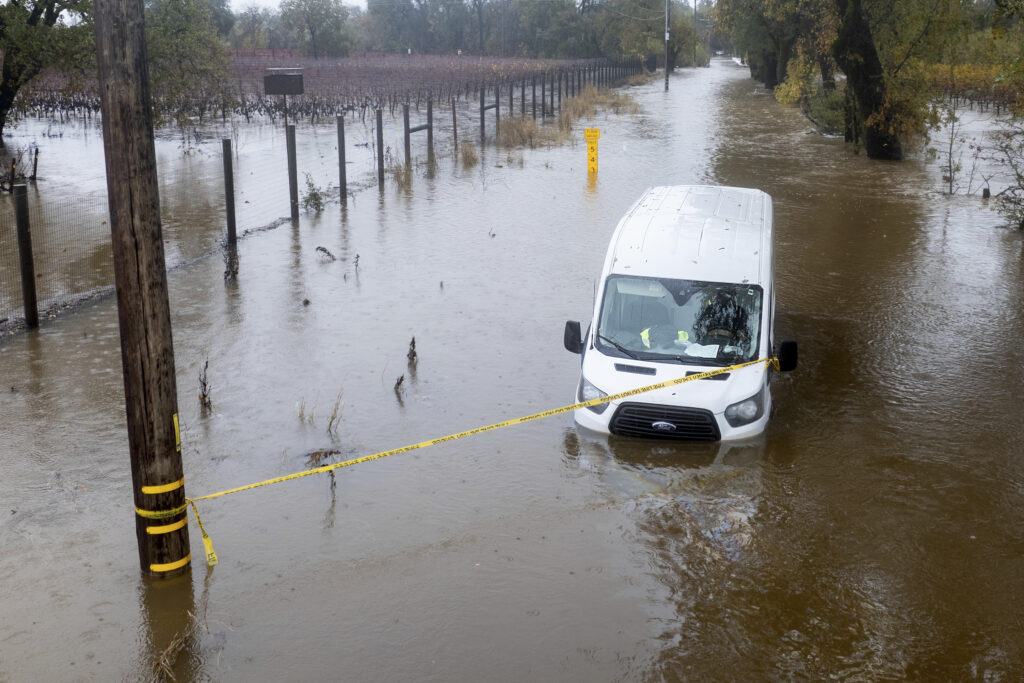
614 375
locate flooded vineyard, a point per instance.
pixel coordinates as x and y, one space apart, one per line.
873 532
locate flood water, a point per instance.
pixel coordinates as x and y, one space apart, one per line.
876 531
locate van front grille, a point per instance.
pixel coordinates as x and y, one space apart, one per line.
664 422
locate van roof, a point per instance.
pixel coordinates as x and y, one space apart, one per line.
695 232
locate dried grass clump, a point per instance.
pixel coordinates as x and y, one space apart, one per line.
518 133
469 156
402 173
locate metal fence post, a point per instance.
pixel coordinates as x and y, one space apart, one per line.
293 172
229 192
28 270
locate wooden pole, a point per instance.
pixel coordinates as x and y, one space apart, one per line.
28 268
229 192
140 277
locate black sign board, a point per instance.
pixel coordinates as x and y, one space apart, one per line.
282 84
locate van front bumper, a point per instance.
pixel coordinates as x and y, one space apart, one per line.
658 421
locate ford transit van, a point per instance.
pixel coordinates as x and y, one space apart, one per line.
687 287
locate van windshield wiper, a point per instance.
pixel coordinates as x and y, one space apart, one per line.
618 346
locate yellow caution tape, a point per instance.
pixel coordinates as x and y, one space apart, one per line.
479 430
211 557
164 488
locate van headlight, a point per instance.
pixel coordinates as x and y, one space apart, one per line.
746 411
588 392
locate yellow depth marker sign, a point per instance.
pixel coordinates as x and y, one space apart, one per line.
591 135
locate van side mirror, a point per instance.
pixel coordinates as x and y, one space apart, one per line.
787 356
573 340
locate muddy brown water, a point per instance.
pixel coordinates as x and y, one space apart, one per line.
874 532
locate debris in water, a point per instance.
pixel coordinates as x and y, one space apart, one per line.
411 355
325 254
204 388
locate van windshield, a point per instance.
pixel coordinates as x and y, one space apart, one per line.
685 321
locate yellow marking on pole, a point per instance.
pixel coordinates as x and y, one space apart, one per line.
167 528
161 514
164 488
177 434
171 566
480 430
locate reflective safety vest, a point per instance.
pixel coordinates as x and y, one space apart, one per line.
645 337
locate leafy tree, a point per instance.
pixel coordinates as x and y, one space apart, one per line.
386 25
40 34
251 29
319 26
188 65
223 19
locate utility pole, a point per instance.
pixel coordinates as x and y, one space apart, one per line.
140 277
666 45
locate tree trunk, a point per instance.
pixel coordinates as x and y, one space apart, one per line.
857 56
784 49
828 77
769 75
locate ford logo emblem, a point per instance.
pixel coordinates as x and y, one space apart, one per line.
663 426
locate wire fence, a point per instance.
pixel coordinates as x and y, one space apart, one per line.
70 236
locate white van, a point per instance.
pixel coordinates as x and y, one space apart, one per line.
686 288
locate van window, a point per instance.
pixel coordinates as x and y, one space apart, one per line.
685 321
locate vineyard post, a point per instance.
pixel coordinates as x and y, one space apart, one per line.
560 75
293 172
511 98
533 86
342 179
543 98
455 126
430 127
483 131
497 108
405 119
522 98
28 270
380 148
229 192
551 97
35 165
